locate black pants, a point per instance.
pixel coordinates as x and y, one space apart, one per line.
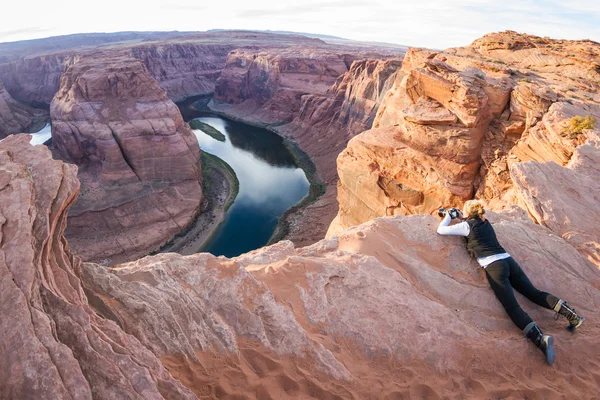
504 275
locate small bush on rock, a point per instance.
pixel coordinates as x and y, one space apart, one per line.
576 125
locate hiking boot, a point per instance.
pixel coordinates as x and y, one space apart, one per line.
563 309
543 342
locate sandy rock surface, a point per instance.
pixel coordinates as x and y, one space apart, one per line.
387 309
566 200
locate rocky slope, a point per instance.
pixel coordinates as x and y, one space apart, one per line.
54 344
16 117
139 162
456 122
323 127
388 309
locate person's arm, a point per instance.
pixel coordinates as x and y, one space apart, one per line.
460 229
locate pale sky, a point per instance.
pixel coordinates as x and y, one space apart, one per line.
426 23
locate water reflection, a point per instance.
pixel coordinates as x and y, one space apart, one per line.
270 183
41 136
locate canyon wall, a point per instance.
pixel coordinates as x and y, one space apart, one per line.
265 86
35 80
456 122
16 117
139 162
184 69
319 97
368 314
323 127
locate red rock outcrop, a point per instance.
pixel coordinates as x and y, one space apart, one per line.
388 309
184 69
566 200
54 345
16 117
323 127
35 80
266 86
139 162
456 121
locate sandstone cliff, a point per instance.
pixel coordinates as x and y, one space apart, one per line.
139 162
388 309
54 344
456 123
184 69
16 117
323 127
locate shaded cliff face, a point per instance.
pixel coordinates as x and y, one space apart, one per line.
139 162
323 127
266 86
16 117
357 316
455 122
184 69
35 80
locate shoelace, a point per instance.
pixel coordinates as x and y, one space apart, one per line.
557 315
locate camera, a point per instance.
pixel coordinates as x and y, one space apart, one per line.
452 212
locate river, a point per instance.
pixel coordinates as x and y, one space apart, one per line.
270 183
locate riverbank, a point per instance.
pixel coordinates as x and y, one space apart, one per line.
220 187
317 187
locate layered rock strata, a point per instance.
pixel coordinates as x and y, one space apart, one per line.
184 69
16 117
323 127
356 316
54 344
139 162
566 200
266 86
455 122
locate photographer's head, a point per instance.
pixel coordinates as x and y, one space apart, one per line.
474 208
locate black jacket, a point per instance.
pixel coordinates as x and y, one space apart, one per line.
482 241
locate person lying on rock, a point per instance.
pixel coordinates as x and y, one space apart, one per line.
504 274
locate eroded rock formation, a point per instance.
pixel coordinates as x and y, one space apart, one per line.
54 345
323 127
16 117
139 162
388 309
266 86
456 122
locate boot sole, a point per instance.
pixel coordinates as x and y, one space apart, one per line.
573 328
549 351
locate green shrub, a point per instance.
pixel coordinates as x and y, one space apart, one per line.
576 125
209 130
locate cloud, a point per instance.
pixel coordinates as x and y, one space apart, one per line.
20 31
424 23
